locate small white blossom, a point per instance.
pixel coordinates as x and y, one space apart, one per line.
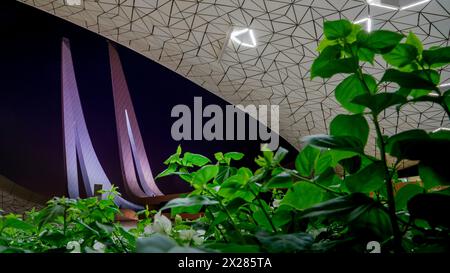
276 203
161 224
99 247
74 246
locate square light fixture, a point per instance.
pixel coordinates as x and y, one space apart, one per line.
243 37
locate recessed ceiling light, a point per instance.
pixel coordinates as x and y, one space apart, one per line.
381 4
73 2
396 4
367 21
244 37
414 4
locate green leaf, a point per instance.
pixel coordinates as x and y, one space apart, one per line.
186 202
437 57
401 55
433 173
379 102
224 173
405 193
397 145
260 216
352 164
342 143
282 216
432 207
338 29
366 55
352 87
380 41
233 187
407 80
413 40
205 174
303 195
330 63
171 169
285 243
234 155
306 160
196 159
339 206
280 181
13 222
350 125
367 180
372 221
279 155
326 43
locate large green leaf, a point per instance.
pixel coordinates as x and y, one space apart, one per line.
352 87
306 160
303 195
399 145
413 40
432 207
280 181
381 41
338 29
285 243
407 80
330 63
379 102
401 55
205 174
195 159
405 193
339 206
234 187
350 125
437 57
343 143
367 180
190 201
434 173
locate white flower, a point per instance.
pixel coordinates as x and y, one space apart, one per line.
187 234
74 246
161 224
276 203
99 247
196 236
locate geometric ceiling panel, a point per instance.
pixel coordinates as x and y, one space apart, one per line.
192 38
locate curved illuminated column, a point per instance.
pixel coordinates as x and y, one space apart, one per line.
77 143
131 147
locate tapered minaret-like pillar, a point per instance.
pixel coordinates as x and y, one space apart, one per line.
77 142
135 165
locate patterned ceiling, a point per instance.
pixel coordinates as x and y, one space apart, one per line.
192 38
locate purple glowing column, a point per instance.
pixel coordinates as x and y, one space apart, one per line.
131 147
77 143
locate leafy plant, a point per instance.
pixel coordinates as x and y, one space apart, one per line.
340 209
337 198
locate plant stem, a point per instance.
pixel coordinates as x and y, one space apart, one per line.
222 206
218 228
387 174
264 210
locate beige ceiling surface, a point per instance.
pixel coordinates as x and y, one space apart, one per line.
191 38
